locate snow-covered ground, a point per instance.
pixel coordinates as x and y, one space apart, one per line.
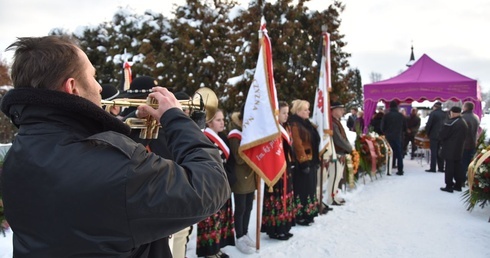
391 216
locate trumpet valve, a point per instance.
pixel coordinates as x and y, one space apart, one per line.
150 130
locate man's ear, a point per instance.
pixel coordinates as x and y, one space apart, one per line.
69 86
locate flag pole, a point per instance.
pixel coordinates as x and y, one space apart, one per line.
333 154
261 145
257 180
321 184
322 165
258 222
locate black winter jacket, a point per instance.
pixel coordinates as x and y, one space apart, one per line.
75 185
452 137
473 123
393 125
435 123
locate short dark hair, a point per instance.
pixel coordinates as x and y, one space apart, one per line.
283 103
44 62
393 104
455 109
469 106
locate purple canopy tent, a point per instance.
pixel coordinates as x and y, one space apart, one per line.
424 80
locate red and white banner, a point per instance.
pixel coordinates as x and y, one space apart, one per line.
128 74
261 145
128 77
321 108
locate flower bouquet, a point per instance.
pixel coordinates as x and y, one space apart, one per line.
381 151
386 153
478 192
367 154
352 161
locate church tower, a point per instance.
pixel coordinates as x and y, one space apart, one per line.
412 58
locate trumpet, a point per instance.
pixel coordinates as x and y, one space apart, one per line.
203 102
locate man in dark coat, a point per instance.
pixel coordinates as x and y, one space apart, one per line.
376 121
473 123
75 185
413 125
432 128
452 137
351 121
393 125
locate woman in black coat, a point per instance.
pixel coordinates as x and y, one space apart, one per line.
306 143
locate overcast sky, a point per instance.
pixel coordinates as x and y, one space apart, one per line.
379 32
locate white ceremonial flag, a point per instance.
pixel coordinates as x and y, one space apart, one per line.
321 108
261 145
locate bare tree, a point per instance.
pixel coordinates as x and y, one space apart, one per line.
375 77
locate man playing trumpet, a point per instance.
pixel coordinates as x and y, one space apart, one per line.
74 184
177 242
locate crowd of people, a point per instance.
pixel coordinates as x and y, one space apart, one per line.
452 136
102 190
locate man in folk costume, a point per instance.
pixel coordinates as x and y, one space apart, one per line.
342 147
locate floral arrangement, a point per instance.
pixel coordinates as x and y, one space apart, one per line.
480 142
355 161
362 148
352 163
366 154
479 177
381 151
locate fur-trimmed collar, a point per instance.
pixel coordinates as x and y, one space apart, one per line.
78 108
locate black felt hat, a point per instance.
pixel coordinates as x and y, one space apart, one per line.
336 104
437 104
109 92
139 88
181 95
455 109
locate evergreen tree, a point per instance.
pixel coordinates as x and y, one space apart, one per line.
7 129
203 45
295 34
138 38
4 74
203 50
356 89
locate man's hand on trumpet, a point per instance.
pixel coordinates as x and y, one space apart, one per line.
166 100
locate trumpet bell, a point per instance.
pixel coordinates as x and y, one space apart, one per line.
203 106
207 100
